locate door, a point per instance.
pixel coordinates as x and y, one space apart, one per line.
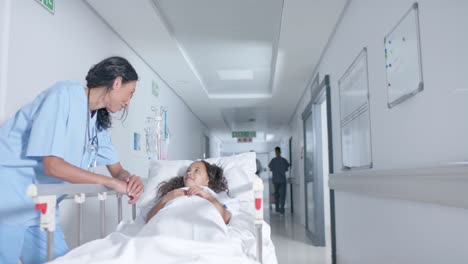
206 147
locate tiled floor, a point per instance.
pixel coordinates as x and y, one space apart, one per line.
291 242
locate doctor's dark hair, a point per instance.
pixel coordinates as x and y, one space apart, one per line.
104 74
216 181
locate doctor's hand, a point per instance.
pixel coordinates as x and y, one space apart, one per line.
118 185
195 190
135 188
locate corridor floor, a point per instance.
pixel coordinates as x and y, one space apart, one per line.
291 243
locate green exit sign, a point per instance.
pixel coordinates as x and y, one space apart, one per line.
244 134
48 4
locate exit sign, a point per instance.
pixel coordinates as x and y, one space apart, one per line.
48 4
244 134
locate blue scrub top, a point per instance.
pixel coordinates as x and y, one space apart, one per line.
54 124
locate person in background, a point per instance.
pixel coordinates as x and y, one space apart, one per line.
279 166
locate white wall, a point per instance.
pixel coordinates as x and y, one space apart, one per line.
4 42
373 230
427 130
261 147
43 48
432 120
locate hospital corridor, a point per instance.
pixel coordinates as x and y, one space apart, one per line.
233 131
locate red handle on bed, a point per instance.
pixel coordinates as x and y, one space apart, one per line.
258 203
41 207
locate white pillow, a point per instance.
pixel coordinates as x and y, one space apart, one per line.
239 170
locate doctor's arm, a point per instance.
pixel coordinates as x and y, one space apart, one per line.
135 186
59 168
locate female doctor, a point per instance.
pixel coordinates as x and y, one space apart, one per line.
57 138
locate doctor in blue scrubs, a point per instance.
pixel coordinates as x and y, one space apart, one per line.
58 138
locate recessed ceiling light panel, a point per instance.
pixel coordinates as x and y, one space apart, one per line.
230 75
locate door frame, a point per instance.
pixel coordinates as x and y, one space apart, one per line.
320 92
309 121
305 116
326 84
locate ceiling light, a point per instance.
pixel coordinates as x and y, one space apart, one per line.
240 96
269 137
229 75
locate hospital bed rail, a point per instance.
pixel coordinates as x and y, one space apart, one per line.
45 198
258 201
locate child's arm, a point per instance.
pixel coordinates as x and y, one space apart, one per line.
221 209
162 202
225 214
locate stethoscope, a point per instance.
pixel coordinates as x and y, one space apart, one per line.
92 144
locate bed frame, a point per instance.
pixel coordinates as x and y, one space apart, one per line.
45 197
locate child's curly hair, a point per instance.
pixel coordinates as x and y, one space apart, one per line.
216 181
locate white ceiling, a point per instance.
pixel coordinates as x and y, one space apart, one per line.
276 44
226 36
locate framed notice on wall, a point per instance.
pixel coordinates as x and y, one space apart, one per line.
356 146
403 59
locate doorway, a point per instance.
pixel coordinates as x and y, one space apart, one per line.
206 147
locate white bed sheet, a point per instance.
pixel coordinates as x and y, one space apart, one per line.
201 237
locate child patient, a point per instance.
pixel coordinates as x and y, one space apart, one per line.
201 179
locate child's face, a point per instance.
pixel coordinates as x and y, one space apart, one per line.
196 175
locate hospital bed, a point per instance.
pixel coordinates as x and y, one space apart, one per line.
45 198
